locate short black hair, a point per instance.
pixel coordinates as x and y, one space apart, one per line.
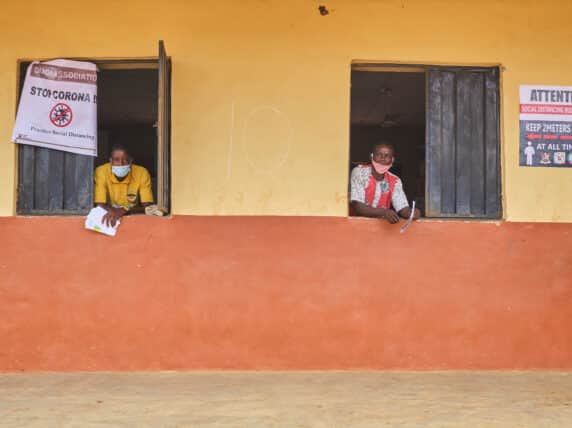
121 147
383 143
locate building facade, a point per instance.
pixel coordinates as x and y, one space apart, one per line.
259 266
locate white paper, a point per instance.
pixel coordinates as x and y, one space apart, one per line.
58 107
93 221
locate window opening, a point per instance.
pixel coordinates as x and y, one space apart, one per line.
127 115
133 110
390 106
444 124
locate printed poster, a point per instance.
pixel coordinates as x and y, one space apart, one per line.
546 126
58 107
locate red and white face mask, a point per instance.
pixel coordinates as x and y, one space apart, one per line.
380 168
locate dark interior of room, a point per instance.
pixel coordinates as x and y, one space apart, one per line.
127 112
390 106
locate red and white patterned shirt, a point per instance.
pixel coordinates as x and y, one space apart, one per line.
359 181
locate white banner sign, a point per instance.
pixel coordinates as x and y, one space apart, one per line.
545 126
58 107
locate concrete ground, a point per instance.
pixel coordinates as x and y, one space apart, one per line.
287 399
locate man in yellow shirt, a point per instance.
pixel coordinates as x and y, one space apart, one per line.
121 187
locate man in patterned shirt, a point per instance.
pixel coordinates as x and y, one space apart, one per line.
374 189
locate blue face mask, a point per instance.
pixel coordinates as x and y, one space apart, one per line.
121 170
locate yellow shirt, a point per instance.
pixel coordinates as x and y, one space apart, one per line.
133 190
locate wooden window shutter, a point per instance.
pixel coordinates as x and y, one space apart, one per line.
164 131
52 182
463 144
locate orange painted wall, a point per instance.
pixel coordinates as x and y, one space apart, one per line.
284 293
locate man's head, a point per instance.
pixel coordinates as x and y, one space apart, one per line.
119 156
120 161
383 153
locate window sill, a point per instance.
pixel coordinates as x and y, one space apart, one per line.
438 220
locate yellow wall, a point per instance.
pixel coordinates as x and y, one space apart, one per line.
285 71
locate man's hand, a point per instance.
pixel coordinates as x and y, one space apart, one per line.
390 215
112 215
367 211
406 212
